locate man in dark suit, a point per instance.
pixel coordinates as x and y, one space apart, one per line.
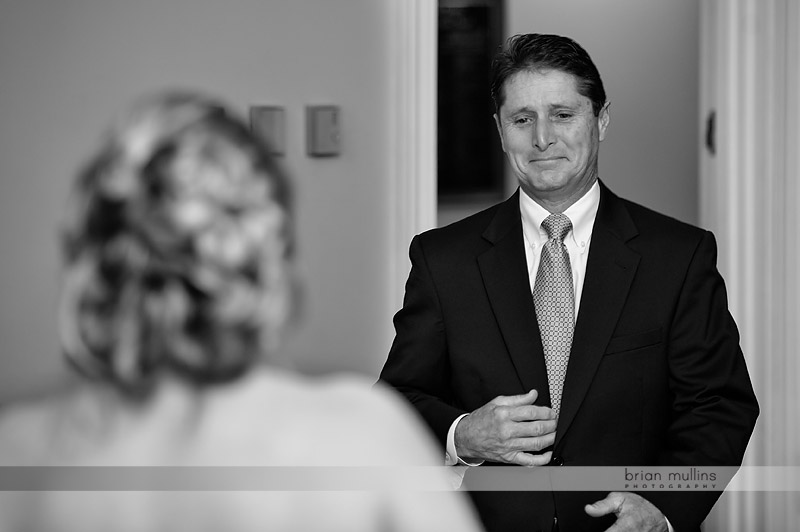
568 326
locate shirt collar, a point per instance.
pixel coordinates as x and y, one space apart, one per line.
581 213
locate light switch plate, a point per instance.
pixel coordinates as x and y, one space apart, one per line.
269 121
323 136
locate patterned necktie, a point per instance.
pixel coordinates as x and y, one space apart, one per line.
554 300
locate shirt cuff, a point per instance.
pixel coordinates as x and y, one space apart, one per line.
451 456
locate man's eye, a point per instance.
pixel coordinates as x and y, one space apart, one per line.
522 120
564 116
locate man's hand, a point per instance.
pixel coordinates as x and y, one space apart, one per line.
504 428
634 513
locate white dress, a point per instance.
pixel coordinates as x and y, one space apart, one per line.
272 451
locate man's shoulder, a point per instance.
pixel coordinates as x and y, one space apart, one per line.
466 230
650 222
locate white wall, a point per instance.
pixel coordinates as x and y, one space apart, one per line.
648 53
68 67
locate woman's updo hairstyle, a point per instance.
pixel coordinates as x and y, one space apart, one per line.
177 248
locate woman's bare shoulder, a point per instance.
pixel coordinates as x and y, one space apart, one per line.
347 416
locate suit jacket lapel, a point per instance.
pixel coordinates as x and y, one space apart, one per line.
505 276
610 271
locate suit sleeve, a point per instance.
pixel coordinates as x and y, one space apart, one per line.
418 365
714 408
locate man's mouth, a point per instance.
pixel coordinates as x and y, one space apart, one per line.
546 159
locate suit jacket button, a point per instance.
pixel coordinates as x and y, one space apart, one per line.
556 461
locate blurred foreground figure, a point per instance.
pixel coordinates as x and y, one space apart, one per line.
177 286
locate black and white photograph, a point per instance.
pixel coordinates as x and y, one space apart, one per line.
409 265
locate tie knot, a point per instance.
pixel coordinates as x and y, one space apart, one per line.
557 226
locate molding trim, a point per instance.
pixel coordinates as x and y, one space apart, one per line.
749 196
412 122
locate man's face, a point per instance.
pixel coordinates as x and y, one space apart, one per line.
550 135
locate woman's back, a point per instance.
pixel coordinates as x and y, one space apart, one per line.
178 284
224 458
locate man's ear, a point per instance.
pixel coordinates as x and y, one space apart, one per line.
603 119
499 131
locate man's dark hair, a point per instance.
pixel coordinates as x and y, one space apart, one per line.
547 52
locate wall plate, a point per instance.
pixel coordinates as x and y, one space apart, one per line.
323 137
269 122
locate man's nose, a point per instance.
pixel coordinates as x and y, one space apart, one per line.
543 135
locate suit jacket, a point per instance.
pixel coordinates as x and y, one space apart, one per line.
655 377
